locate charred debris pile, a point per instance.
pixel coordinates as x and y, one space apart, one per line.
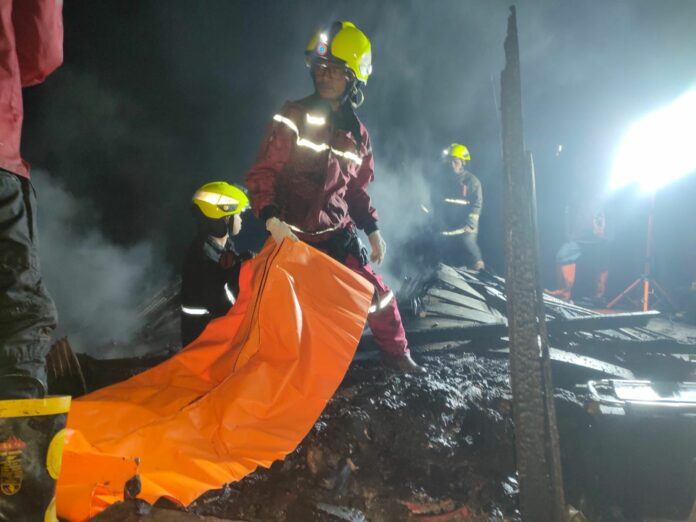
439 447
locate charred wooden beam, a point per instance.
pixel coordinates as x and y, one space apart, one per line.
63 370
434 330
536 435
592 323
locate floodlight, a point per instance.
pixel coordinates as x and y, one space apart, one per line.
659 148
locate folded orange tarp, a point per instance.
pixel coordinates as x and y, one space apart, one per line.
245 393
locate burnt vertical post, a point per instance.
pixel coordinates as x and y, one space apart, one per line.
536 435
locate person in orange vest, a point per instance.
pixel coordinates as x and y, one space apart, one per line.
311 177
583 264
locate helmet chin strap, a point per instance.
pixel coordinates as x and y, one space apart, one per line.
356 94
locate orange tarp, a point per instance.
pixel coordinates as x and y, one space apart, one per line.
242 395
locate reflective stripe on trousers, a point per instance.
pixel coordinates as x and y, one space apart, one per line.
386 325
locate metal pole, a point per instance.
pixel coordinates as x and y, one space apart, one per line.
648 255
536 435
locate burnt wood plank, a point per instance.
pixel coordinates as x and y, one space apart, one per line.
455 281
463 300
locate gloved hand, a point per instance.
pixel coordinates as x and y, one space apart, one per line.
379 247
280 230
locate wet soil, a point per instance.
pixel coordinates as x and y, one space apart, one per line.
437 448
401 447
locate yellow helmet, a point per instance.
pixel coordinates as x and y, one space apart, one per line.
345 43
457 150
219 199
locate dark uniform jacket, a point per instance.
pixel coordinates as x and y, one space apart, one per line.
461 203
209 284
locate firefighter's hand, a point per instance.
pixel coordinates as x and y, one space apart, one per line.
379 247
280 230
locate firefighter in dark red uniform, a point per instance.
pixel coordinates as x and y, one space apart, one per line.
311 177
31 47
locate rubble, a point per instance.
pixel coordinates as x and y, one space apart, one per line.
439 447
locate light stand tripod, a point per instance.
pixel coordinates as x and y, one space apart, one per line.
650 285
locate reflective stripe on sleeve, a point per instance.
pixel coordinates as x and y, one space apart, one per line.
194 311
456 232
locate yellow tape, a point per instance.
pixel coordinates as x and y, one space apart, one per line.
34 407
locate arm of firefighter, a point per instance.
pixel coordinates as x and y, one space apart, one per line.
476 204
359 204
274 154
39 38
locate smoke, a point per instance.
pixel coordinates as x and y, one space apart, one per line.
402 196
98 286
196 109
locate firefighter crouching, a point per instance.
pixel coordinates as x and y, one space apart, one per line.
311 177
210 275
461 204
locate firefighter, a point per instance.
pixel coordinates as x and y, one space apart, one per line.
462 205
31 425
210 274
311 177
31 47
587 257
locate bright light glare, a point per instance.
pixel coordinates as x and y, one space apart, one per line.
659 148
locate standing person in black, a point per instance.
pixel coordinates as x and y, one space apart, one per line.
210 275
461 206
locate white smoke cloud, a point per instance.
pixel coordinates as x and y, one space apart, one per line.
98 286
400 191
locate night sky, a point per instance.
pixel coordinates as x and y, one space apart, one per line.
158 97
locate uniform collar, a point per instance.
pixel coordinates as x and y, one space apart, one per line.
344 118
213 250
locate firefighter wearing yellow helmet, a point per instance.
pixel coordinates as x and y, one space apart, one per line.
343 48
210 274
461 203
457 150
311 179
220 199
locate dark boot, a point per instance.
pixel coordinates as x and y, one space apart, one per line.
401 363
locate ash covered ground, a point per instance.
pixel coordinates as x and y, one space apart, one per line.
439 447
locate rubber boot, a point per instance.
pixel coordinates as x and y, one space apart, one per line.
566 279
32 433
401 363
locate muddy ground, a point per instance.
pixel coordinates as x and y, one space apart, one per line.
439 448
